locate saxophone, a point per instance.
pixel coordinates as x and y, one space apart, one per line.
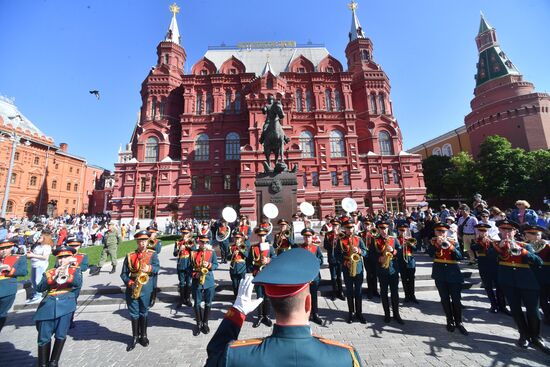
258 261
141 279
387 254
354 257
203 270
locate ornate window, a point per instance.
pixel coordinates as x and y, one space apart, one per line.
227 182
153 108
153 183
395 176
54 184
199 103
299 106
232 146
68 186
75 187
10 207
338 206
36 160
207 183
29 207
33 180
314 179
382 104
334 178
209 102
386 146
146 212
337 148
152 150
143 184
201 212
345 177
309 101
337 101
436 151
202 148
307 144
161 109
237 102
373 109
328 99
194 182
13 179
365 55
386 177
227 100
304 178
16 156
447 150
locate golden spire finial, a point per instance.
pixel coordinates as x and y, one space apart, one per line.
353 5
174 9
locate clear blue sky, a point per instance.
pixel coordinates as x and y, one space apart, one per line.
53 52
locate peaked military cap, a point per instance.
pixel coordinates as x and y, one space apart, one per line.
382 223
307 232
441 226
151 229
403 225
289 273
185 230
282 221
6 243
533 229
73 241
262 231
203 238
335 221
238 234
142 235
482 225
506 223
64 251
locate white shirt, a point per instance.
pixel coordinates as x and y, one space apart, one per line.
43 250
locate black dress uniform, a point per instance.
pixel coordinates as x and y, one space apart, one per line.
182 250
238 253
11 267
387 271
487 264
288 345
137 270
519 283
350 252
155 245
447 276
542 247
314 285
259 255
203 286
330 243
407 263
55 311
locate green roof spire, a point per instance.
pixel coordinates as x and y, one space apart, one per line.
483 25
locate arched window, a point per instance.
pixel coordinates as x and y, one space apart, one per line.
75 188
199 103
29 207
152 150
33 180
365 55
209 103
309 102
227 100
337 148
386 146
54 184
13 179
299 107
202 148
373 109
447 150
237 102
382 104
10 208
436 151
161 109
232 146
68 186
153 108
328 99
337 101
307 144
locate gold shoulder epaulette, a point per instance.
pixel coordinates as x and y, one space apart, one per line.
246 342
341 345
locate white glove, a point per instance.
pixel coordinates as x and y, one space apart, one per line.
244 302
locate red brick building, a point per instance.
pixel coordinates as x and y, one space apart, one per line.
195 147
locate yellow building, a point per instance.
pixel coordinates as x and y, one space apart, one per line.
448 144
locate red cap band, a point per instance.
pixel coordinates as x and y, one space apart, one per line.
283 291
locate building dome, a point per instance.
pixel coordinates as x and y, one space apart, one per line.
12 118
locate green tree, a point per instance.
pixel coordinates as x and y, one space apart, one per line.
435 168
462 179
539 184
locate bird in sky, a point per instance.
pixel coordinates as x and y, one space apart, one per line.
96 93
16 117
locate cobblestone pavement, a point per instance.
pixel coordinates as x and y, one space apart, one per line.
103 330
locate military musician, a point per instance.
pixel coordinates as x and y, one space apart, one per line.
259 256
350 252
309 245
447 276
331 241
283 240
11 267
182 250
245 229
138 268
55 311
204 230
223 234
237 266
533 236
202 265
154 244
407 262
369 234
80 260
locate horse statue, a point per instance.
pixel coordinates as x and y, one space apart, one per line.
273 137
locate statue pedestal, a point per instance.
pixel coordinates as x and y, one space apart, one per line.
279 189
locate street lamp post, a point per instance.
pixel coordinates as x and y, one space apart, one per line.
15 140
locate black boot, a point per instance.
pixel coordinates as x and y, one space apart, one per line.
73 324
2 322
340 294
395 310
258 321
359 310
56 353
135 334
181 300
523 341
457 316
334 290
405 289
411 290
314 316
113 270
501 302
187 295
265 318
143 340
449 315
351 310
95 271
198 326
205 328
386 306
492 299
44 355
153 297
534 332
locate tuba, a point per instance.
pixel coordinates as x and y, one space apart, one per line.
271 211
539 245
222 235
